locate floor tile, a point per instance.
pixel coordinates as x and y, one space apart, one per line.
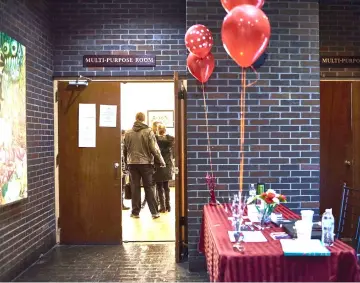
137 262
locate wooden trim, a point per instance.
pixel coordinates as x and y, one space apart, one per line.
121 185
124 79
177 175
181 191
185 198
339 79
56 167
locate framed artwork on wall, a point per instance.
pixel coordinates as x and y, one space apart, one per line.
13 151
166 117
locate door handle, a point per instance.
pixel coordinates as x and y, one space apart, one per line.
116 171
348 162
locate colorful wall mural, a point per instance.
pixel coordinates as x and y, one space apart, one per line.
13 157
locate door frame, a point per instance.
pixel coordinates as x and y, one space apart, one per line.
144 79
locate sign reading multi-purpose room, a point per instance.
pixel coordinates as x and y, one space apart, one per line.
340 61
119 61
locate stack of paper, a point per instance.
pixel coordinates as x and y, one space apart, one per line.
249 236
295 247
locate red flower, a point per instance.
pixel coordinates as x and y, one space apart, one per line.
268 200
263 195
282 198
270 195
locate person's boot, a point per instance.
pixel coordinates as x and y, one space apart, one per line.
161 202
125 207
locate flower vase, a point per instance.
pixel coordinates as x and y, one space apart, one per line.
265 213
265 219
265 204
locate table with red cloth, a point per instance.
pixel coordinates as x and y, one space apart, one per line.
266 261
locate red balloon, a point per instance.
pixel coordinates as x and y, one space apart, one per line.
201 68
231 4
245 34
199 40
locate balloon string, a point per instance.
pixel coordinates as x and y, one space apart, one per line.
242 126
257 77
207 131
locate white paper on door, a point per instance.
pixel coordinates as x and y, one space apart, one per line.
108 116
87 125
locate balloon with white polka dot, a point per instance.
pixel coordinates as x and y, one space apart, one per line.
199 40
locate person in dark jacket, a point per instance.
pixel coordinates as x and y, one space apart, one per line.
140 150
154 128
163 175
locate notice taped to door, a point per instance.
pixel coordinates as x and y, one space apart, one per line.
108 116
87 125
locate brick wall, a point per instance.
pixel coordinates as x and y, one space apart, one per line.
282 132
116 26
27 229
339 34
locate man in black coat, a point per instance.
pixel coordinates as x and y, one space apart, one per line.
140 150
155 131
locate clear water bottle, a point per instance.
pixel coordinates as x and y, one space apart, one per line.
252 191
327 224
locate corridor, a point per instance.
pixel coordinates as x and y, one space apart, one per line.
130 262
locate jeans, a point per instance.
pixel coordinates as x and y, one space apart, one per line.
145 173
156 195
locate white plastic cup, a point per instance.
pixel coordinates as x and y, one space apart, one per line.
307 215
303 229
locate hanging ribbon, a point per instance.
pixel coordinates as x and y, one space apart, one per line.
242 121
210 178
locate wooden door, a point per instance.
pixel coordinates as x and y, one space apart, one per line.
335 143
89 183
180 176
356 134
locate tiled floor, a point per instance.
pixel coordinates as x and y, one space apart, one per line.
130 262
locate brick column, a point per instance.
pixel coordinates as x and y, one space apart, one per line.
282 132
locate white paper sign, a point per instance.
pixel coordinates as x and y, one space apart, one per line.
87 125
108 116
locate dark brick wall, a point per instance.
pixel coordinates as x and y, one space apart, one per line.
27 229
119 26
282 132
339 34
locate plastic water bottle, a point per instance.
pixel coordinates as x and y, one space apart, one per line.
252 191
327 224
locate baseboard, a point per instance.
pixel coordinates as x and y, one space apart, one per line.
24 264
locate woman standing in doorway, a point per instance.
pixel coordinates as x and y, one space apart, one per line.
163 175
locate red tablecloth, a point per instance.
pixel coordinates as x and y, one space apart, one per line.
265 262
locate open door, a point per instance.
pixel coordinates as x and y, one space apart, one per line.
89 177
180 170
